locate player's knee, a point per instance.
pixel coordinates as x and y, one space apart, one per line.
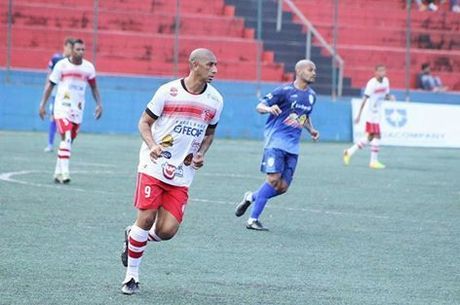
166 233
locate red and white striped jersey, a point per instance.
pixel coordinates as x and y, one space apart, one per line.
71 83
376 91
182 121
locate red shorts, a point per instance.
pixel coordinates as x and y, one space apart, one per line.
373 128
152 193
64 125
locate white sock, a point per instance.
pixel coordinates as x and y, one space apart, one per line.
137 242
64 153
358 145
153 235
375 147
57 169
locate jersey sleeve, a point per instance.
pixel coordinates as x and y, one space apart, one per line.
157 102
369 88
216 117
56 73
274 97
92 73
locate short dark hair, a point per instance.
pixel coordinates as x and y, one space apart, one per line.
69 40
78 40
425 65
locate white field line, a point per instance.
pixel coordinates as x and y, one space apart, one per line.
7 177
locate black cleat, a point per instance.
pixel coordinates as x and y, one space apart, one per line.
256 225
124 253
130 287
244 204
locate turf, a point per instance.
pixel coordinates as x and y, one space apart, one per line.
341 235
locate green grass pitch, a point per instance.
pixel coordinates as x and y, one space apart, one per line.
341 235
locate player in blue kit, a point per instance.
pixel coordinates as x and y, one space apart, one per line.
289 109
52 62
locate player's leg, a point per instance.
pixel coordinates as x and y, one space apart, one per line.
147 199
268 165
170 214
375 148
360 144
64 128
137 242
51 129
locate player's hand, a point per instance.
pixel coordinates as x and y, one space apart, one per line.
155 153
275 110
98 112
198 160
314 135
42 112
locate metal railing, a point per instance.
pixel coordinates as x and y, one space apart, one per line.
311 30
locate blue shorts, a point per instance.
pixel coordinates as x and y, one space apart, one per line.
278 161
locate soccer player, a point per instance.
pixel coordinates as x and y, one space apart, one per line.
178 128
52 62
377 90
71 75
289 109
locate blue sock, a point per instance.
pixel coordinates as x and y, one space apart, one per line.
51 133
265 192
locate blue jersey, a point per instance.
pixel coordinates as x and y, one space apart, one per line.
284 131
53 61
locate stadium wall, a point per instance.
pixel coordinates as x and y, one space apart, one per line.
125 98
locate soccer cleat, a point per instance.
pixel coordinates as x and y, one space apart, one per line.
244 204
130 287
256 225
346 157
65 178
124 253
376 165
48 148
57 178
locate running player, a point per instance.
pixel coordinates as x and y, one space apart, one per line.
377 90
71 76
177 127
289 109
52 62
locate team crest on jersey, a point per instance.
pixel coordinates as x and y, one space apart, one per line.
173 91
66 96
207 115
167 141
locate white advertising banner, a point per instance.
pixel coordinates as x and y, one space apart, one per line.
413 124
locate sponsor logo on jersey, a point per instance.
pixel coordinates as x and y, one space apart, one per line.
169 170
66 96
188 159
207 115
173 91
188 130
79 105
396 117
296 105
296 121
166 154
167 141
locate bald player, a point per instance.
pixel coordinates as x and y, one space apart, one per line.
288 108
177 128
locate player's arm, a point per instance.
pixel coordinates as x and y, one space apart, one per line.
46 94
97 97
269 103
145 129
358 117
198 158
309 127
